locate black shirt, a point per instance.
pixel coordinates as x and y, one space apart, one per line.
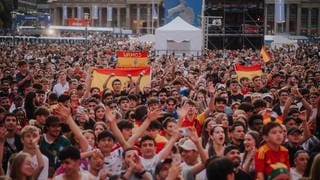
242 175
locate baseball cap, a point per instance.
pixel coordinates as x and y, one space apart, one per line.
187 144
294 130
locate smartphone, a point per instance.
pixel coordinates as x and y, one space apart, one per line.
184 132
80 109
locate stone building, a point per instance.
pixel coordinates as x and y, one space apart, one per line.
302 17
137 15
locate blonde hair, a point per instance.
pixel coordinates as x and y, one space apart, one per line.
29 129
219 117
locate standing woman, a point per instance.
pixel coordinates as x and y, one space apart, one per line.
74 100
222 118
99 127
251 143
22 167
99 113
217 140
205 132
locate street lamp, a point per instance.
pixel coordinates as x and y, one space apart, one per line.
13 16
86 17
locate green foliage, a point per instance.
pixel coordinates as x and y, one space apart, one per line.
5 17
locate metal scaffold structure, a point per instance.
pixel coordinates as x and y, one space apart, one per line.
233 25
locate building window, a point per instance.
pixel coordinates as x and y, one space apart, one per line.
293 18
270 19
314 17
304 17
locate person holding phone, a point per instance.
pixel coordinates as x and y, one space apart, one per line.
133 166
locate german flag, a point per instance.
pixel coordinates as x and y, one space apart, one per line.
132 59
265 55
248 71
100 76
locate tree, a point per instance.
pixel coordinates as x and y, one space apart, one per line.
5 17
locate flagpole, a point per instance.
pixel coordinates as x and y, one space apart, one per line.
152 16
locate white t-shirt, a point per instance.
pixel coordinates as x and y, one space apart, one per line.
200 176
295 174
150 164
44 173
60 89
113 162
84 176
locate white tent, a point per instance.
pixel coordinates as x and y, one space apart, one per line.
178 36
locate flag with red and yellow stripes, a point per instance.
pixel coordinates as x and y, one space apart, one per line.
248 71
132 59
100 76
265 55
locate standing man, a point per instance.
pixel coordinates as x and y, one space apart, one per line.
70 161
30 138
232 152
62 84
53 142
23 77
12 142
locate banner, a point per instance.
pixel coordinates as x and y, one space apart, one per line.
132 59
248 71
279 12
109 13
64 12
78 22
94 12
154 11
79 12
250 29
188 10
265 55
100 76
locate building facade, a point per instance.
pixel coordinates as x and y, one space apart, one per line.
140 16
302 17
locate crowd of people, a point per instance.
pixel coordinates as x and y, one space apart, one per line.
195 120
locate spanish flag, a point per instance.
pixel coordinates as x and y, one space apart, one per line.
132 59
265 55
271 117
100 76
248 71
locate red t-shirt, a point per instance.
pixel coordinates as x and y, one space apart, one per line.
265 157
193 123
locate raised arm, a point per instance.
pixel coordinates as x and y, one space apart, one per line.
88 83
152 116
64 114
105 84
304 126
211 106
114 128
130 82
196 140
182 112
287 106
3 133
40 160
138 90
164 153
